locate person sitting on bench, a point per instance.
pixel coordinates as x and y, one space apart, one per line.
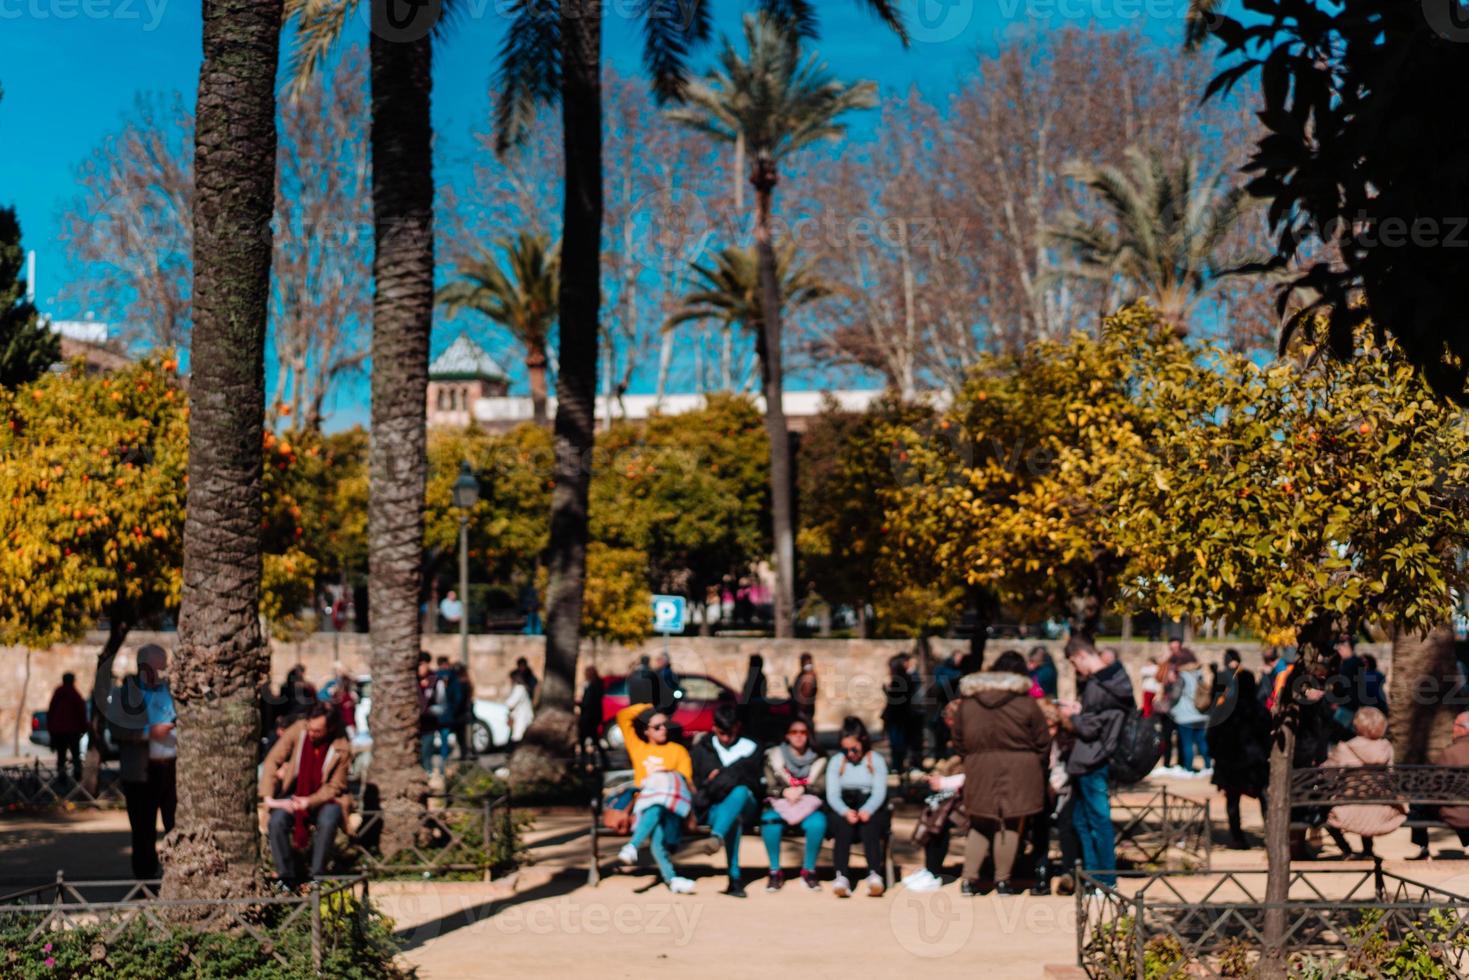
727 773
856 793
1456 818
303 782
794 778
665 776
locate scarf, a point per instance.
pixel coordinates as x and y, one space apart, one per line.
308 781
742 748
799 766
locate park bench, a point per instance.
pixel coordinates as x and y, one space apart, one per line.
1422 788
606 784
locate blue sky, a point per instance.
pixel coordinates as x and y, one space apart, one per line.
70 70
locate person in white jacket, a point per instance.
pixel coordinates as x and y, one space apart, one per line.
519 707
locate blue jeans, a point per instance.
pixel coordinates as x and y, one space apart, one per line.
1091 817
427 749
1193 738
659 827
814 828
727 822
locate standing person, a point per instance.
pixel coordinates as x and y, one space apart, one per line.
1188 718
1456 818
66 723
1002 736
128 718
451 611
344 699
589 712
303 783
664 774
530 607
464 712
518 705
527 676
160 798
667 677
1272 666
794 774
946 677
1239 739
899 697
1096 720
1374 685
727 769
753 694
1043 671
1166 678
856 793
803 692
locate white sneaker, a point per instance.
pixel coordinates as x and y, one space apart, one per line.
874 883
628 854
841 887
922 881
680 886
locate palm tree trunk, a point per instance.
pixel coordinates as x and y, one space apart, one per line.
402 311
535 369
222 659
782 517
546 752
1423 675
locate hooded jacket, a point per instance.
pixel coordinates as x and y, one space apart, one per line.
714 780
1002 735
1106 699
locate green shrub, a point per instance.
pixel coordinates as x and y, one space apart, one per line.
354 948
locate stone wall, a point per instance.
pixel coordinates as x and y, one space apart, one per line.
851 672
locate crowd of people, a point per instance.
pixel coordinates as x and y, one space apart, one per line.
1023 776
1024 767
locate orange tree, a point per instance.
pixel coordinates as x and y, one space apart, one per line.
1295 497
688 491
1000 490
94 472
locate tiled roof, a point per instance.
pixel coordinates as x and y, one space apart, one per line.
463 360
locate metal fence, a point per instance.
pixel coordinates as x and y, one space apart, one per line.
1338 923
454 837
37 786
1164 831
111 910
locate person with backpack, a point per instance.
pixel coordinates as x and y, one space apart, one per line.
1189 711
1097 720
443 696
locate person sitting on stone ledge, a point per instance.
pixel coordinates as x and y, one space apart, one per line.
303 785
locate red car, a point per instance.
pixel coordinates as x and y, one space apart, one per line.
697 697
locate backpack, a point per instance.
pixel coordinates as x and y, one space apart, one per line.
1138 750
1203 695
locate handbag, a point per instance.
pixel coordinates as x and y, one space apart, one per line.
617 812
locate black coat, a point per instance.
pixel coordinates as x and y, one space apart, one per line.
743 772
1239 735
1106 700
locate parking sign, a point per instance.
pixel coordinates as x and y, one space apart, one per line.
668 613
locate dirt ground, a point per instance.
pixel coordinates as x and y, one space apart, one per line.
547 920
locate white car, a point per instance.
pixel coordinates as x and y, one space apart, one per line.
489 731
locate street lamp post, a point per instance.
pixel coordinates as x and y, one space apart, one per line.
466 495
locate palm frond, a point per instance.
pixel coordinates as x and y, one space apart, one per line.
319 25
671 29
529 72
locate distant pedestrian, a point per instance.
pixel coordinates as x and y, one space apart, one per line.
527 676
66 723
1106 700
946 677
804 690
589 714
1239 740
900 705
1188 717
1374 685
451 610
530 608
518 705
1043 671
464 713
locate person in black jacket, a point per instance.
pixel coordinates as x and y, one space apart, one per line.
727 770
1239 742
1106 700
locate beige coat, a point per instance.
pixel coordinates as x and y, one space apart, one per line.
283 762
1366 819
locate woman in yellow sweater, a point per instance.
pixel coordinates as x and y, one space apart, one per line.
665 775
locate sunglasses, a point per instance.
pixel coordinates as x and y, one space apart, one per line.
798 731
658 727
854 750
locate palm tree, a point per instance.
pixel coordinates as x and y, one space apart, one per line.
401 57
729 290
1164 231
774 102
552 53
221 655
522 301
